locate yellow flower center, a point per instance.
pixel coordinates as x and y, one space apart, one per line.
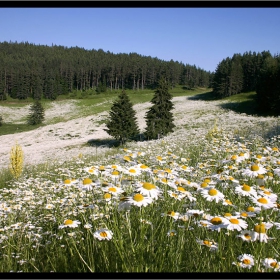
138 197
103 234
127 158
164 180
67 181
184 167
246 188
171 213
181 189
234 221
204 185
115 172
247 236
241 154
244 214
251 209
228 201
275 149
234 157
216 221
172 233
114 167
174 195
101 168
230 167
207 243
260 228
107 195
246 261
68 222
87 181
168 170
259 156
260 176
90 170
112 189
262 200
207 180
159 158
148 186
254 168
227 215
132 171
267 192
269 174
143 166
212 192
274 264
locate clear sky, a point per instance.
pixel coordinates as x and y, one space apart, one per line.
200 36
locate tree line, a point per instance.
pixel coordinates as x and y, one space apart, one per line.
258 72
39 71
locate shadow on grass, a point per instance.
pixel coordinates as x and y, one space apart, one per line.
109 143
206 96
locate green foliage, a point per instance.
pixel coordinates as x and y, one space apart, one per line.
121 123
159 118
101 88
1 120
37 113
268 89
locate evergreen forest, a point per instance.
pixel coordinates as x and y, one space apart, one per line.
39 71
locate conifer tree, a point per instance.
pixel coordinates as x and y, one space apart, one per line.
37 113
159 119
122 124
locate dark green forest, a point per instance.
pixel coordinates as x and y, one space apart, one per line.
39 71
258 72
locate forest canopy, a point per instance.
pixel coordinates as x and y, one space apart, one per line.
39 71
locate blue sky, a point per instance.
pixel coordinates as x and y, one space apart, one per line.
200 36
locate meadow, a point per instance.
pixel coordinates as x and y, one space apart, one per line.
202 199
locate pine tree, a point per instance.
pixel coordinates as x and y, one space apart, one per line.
37 113
159 118
122 124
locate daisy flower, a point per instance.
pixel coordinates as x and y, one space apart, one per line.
246 261
263 202
266 193
148 189
212 245
277 171
212 194
195 213
69 223
172 214
271 264
132 171
103 234
171 232
87 184
259 232
176 195
246 235
91 170
236 224
245 190
113 190
139 200
252 209
254 170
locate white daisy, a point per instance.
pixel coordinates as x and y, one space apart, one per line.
103 234
212 194
69 223
271 263
264 202
148 189
246 235
212 245
236 224
246 190
246 261
259 232
139 200
254 170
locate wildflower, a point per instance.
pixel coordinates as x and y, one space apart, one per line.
254 170
246 261
246 235
49 206
103 234
171 232
264 202
16 160
87 184
175 195
133 171
87 226
139 200
91 170
172 214
216 223
245 190
212 245
69 223
236 224
260 232
195 213
212 194
148 189
271 264
113 190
